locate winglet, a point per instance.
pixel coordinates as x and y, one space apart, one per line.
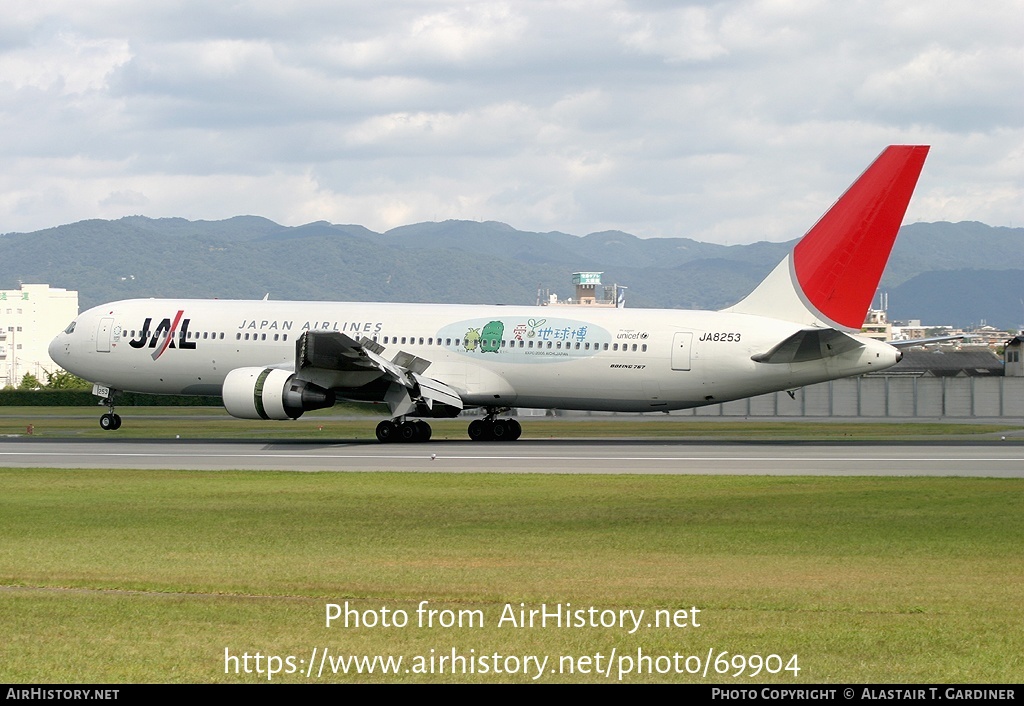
835 268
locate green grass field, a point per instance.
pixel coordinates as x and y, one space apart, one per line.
149 576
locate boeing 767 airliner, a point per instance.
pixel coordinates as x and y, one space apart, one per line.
276 360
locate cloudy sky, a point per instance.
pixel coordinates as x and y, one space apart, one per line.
727 122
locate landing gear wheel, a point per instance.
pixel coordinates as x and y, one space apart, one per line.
423 430
480 430
495 429
500 430
407 431
387 432
110 421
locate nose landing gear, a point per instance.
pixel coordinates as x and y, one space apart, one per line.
110 421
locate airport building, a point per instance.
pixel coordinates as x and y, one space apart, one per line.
30 317
589 292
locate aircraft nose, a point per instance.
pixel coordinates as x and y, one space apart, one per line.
58 348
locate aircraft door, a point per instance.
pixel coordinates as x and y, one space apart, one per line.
682 343
103 335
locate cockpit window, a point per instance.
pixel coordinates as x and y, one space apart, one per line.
71 327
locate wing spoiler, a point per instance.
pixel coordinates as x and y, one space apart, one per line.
333 350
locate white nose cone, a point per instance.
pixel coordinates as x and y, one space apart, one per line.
55 348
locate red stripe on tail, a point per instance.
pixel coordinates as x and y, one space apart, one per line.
840 260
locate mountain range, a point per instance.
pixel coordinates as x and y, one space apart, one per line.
941 273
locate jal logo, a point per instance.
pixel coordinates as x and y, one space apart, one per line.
162 337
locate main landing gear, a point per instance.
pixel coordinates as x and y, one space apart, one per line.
491 428
110 421
404 430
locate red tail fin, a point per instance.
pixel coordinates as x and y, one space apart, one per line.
840 261
831 275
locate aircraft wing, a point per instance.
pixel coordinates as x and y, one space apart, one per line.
406 386
809 344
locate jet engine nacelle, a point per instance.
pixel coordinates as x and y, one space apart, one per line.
271 393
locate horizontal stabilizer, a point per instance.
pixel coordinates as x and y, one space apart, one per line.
809 344
910 343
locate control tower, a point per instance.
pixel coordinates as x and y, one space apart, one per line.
589 292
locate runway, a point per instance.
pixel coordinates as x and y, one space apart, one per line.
968 459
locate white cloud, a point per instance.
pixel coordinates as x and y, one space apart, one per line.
450 36
66 64
679 35
724 121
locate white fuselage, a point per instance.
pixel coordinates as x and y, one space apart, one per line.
494 356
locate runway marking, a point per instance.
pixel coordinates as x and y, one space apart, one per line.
522 457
